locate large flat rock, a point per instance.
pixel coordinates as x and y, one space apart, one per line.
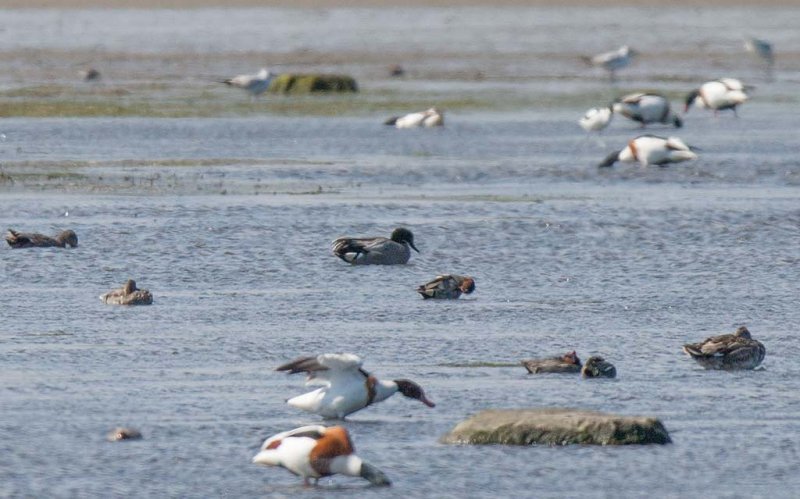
554 426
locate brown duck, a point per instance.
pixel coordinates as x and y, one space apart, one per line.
728 351
128 294
447 286
567 363
23 240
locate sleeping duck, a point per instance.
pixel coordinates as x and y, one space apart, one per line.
597 367
128 294
448 286
567 363
728 351
23 240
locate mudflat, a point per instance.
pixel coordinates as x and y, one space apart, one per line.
190 4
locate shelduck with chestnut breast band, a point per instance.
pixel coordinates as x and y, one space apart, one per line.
652 150
345 386
316 452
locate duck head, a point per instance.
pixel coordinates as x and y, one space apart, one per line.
610 159
68 237
130 286
571 358
743 332
690 98
413 391
402 235
467 285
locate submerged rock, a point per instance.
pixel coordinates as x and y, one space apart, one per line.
555 426
291 83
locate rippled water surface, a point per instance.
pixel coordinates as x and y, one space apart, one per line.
228 222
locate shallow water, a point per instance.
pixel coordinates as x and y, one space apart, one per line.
228 222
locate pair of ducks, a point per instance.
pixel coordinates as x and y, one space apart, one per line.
345 387
128 294
595 367
396 250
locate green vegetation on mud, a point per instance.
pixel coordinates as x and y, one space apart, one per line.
164 101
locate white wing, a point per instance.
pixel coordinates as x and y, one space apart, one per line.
313 431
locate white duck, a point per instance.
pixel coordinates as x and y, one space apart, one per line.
346 387
652 150
725 93
254 84
647 108
596 119
315 452
429 118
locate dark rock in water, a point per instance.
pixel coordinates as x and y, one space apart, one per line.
290 83
120 433
554 426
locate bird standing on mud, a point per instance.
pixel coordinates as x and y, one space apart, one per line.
255 84
613 60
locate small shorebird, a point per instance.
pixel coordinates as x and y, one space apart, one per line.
567 363
718 95
613 60
448 286
254 84
346 387
128 294
317 451
376 250
728 351
647 108
597 367
652 150
89 74
596 119
23 240
429 118
760 48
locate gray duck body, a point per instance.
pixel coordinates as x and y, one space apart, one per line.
376 250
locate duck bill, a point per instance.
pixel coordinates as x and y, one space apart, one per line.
413 247
374 475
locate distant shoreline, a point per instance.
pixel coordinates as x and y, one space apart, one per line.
195 4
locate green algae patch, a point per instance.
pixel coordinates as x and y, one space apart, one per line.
556 426
292 83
